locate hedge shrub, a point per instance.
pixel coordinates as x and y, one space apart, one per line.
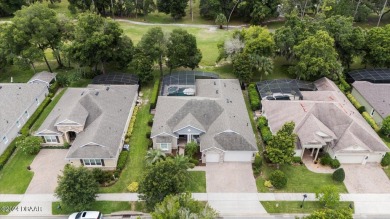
261 122
344 86
386 160
258 162
370 121
7 153
296 160
132 123
334 164
338 175
354 102
122 160
278 179
54 87
254 98
33 118
326 160
266 133
153 99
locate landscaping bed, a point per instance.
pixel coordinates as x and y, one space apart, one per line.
106 207
295 206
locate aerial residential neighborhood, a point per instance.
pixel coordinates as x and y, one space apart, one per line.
204 109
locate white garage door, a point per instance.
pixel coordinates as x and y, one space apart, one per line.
374 158
238 156
212 157
358 159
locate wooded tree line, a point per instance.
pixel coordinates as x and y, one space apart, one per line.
91 42
315 47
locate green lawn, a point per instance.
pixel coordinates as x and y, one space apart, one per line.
138 147
295 206
6 207
106 207
47 111
300 179
387 171
14 177
197 182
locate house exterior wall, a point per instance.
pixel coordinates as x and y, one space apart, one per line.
73 128
60 143
378 119
188 131
109 164
12 133
212 151
169 151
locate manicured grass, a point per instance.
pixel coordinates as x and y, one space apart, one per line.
19 75
300 179
295 206
138 147
106 207
7 207
14 177
197 182
387 171
47 111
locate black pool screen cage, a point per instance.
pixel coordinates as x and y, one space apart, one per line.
116 78
283 89
372 75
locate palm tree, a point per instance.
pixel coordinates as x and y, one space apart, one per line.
153 156
264 65
183 162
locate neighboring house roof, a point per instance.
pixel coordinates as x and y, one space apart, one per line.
377 95
103 110
324 116
218 109
15 99
43 77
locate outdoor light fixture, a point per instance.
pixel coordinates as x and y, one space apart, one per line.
303 201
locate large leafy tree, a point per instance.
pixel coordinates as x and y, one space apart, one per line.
263 10
162 179
377 47
348 40
77 188
280 149
8 7
182 50
243 67
153 45
36 28
176 8
316 57
143 66
182 206
258 41
99 41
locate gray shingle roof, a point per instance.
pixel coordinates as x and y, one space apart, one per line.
218 107
331 113
15 98
104 113
377 95
42 77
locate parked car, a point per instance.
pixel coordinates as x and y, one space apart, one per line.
86 215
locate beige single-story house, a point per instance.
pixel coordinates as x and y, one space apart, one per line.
18 102
215 117
325 119
94 121
374 97
43 77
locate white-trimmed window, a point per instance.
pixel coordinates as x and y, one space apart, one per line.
92 162
164 146
372 112
18 123
50 139
5 140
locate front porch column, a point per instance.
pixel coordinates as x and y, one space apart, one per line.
303 152
67 137
312 152
315 158
189 138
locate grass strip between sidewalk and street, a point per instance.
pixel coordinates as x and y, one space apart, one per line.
274 207
106 207
7 207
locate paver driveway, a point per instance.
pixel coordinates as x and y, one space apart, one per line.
368 178
46 167
230 177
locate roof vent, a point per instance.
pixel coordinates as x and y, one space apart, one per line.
227 100
97 93
107 88
216 91
82 93
1 87
20 88
224 84
215 83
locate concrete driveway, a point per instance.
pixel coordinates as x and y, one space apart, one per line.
230 177
369 178
46 166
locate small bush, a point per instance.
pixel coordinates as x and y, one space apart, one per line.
338 175
194 161
370 121
254 98
361 109
268 184
101 176
191 148
325 160
54 88
133 187
278 179
258 161
122 160
150 122
334 164
296 160
386 160
148 134
29 145
150 143
266 134
256 171
261 122
153 99
66 145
